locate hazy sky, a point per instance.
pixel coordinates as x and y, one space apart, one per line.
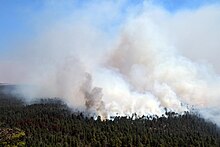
23 20
19 18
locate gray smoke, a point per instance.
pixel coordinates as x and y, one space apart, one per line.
93 98
136 67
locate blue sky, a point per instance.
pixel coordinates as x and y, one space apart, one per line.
175 5
17 17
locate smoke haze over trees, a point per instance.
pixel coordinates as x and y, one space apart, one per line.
50 122
139 59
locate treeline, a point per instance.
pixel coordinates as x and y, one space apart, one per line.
51 123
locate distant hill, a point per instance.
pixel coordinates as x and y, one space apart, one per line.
7 88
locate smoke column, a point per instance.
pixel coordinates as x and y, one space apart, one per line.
136 69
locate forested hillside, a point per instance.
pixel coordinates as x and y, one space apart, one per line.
51 123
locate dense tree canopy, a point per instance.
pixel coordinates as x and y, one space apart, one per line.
51 123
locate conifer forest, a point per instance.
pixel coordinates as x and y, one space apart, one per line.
49 122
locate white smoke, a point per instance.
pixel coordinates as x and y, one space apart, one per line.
136 69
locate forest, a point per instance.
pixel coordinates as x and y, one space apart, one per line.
49 122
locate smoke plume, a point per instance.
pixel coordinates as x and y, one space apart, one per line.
93 97
104 62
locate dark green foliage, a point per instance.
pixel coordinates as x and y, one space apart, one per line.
51 123
12 137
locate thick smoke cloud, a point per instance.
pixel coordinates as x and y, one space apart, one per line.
132 67
93 97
